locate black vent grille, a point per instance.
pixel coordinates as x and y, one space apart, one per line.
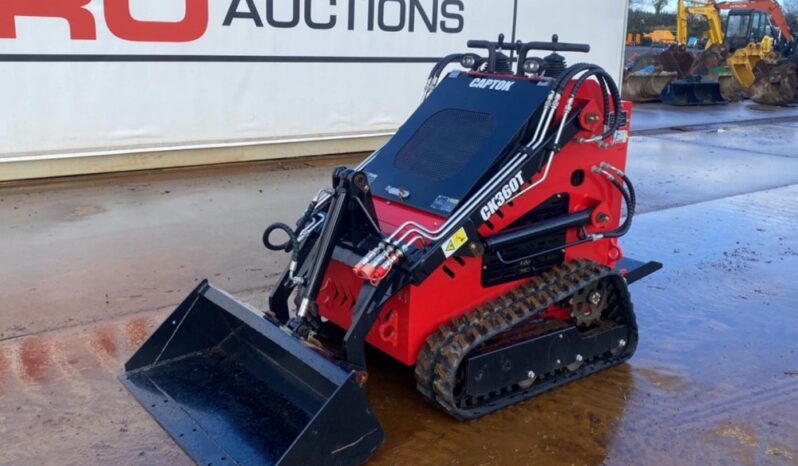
445 144
495 272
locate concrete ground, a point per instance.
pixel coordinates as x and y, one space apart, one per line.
91 266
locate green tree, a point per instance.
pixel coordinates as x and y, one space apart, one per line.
790 8
659 5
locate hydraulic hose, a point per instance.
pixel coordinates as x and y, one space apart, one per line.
435 73
630 210
615 122
609 90
290 245
437 69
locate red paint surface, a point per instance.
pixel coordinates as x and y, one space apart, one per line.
417 311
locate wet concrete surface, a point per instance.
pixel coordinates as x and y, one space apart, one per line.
649 117
90 267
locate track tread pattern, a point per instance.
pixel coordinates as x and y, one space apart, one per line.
443 352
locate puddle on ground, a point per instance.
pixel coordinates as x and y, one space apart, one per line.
709 384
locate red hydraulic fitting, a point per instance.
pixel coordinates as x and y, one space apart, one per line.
358 268
381 270
368 270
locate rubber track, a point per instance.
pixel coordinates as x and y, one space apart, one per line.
444 350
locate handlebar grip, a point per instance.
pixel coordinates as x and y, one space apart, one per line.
479 44
486 44
557 47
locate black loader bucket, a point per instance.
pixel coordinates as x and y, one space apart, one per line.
233 388
692 92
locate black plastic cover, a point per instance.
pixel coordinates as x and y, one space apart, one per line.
455 138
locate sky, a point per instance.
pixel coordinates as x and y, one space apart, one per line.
647 6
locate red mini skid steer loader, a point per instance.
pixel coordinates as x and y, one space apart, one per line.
480 244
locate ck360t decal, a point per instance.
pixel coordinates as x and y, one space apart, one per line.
501 197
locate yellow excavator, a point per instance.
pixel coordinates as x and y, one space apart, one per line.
649 75
762 48
760 65
706 10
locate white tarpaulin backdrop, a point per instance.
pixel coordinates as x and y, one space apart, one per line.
247 81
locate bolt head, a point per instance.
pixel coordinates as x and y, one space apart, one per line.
559 362
595 298
530 374
579 358
622 343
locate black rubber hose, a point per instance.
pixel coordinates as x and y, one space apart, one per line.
630 212
607 84
443 63
606 92
631 189
291 245
569 73
615 93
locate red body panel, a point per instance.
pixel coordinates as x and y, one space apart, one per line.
417 311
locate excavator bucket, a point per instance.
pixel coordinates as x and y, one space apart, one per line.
730 89
777 85
645 85
692 91
231 387
647 75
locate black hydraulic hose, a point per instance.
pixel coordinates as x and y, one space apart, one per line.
615 93
630 210
291 245
609 88
590 69
607 84
564 78
569 73
606 90
443 63
631 189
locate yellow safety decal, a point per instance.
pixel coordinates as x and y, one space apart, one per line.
458 239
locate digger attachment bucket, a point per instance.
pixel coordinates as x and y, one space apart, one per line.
645 85
692 92
233 388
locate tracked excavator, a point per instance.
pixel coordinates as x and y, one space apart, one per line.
753 58
762 48
480 244
671 74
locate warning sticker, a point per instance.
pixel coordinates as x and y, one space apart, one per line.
458 239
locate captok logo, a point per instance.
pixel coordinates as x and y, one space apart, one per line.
501 197
493 84
118 17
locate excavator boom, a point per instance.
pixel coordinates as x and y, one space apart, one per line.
706 10
771 7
